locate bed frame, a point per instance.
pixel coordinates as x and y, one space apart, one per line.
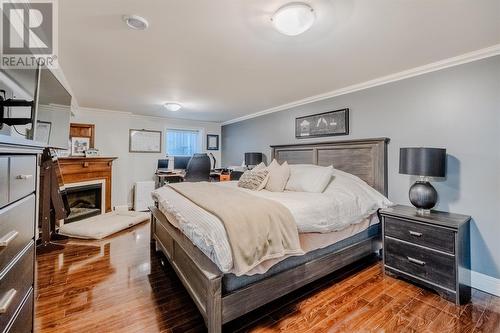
365 158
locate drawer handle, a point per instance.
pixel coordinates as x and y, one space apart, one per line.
24 177
416 261
416 234
6 300
9 237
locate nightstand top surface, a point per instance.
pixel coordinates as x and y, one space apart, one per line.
444 219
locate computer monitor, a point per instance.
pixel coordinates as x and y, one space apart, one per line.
181 162
162 164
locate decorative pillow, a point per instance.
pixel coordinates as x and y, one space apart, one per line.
253 179
309 178
278 176
260 166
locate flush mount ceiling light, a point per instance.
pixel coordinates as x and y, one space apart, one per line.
172 106
136 22
293 19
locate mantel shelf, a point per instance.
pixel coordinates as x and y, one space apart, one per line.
88 158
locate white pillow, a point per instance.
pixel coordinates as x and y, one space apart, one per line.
278 176
368 199
309 178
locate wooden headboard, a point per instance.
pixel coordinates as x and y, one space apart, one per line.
365 158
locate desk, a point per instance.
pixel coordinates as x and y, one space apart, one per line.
175 176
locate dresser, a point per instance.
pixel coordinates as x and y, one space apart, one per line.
432 250
18 205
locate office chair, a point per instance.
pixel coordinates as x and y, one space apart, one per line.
198 168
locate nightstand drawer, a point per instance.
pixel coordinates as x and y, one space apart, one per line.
435 267
430 236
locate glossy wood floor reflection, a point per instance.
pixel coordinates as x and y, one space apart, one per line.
120 285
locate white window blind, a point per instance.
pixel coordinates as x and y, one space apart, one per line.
182 142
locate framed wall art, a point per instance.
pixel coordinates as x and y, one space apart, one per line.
79 145
43 129
329 123
144 141
212 142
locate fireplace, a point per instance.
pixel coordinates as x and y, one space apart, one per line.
89 170
85 200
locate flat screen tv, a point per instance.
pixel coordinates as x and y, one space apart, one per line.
34 105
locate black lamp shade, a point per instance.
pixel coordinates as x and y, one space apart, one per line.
253 158
429 162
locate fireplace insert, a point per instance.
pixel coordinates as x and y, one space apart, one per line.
84 201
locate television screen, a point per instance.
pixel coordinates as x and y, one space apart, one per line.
53 112
49 120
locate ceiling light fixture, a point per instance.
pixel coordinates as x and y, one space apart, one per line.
294 18
136 22
172 106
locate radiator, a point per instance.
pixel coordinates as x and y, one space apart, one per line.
142 195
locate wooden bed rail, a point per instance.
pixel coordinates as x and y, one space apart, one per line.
203 280
199 275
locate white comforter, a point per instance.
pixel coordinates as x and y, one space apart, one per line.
344 202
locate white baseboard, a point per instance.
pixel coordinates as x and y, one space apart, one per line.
485 283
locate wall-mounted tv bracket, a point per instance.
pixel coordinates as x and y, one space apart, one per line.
12 102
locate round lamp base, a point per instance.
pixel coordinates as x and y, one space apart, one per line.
423 196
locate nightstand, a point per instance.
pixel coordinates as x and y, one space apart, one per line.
432 250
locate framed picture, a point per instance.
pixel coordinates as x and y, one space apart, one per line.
79 145
329 123
43 129
144 141
212 142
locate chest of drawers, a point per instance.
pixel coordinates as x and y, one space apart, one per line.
18 197
432 250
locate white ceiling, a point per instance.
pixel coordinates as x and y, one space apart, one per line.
222 59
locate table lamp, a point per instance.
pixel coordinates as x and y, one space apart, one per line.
252 159
425 163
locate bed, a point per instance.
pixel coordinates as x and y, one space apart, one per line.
222 297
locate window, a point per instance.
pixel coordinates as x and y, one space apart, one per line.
182 142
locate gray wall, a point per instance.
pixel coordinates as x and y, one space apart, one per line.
457 108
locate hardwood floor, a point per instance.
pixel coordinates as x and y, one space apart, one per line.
120 285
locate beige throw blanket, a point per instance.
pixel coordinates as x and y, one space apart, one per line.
258 229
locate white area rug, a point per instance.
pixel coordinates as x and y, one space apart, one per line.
100 226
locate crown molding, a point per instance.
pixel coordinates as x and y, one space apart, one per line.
432 67
143 116
54 107
97 110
